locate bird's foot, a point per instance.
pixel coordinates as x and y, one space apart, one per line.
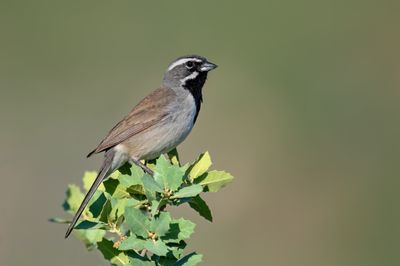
143 166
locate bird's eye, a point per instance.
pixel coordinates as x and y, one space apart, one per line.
189 65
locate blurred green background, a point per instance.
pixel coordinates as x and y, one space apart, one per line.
303 111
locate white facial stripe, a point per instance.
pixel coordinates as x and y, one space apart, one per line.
182 61
191 76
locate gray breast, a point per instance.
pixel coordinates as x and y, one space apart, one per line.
172 130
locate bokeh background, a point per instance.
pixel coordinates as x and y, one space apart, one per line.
304 111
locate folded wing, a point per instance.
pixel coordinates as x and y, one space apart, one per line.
148 113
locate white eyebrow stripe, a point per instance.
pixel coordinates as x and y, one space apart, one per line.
182 61
191 76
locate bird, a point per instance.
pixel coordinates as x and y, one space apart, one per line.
156 125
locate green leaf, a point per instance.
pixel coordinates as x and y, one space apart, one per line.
96 203
105 213
117 208
128 181
157 247
168 176
118 222
155 207
90 237
112 254
200 166
136 171
119 205
160 225
215 180
150 184
132 242
161 171
191 259
151 196
74 198
134 203
86 225
137 222
134 178
88 180
199 205
136 190
186 228
115 189
179 230
186 192
177 248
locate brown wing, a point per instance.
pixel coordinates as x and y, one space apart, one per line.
150 111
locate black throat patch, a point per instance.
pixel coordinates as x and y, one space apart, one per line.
195 87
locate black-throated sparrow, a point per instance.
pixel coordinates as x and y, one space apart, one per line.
159 123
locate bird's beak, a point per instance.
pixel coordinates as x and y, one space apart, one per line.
208 66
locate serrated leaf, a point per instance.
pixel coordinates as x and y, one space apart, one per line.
200 206
130 188
150 184
186 228
215 180
186 192
132 242
137 222
157 247
74 198
168 176
160 225
115 256
200 166
88 180
191 259
161 172
179 230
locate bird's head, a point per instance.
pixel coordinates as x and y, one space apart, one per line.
188 71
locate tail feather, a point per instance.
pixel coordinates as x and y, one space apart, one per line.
91 153
105 170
